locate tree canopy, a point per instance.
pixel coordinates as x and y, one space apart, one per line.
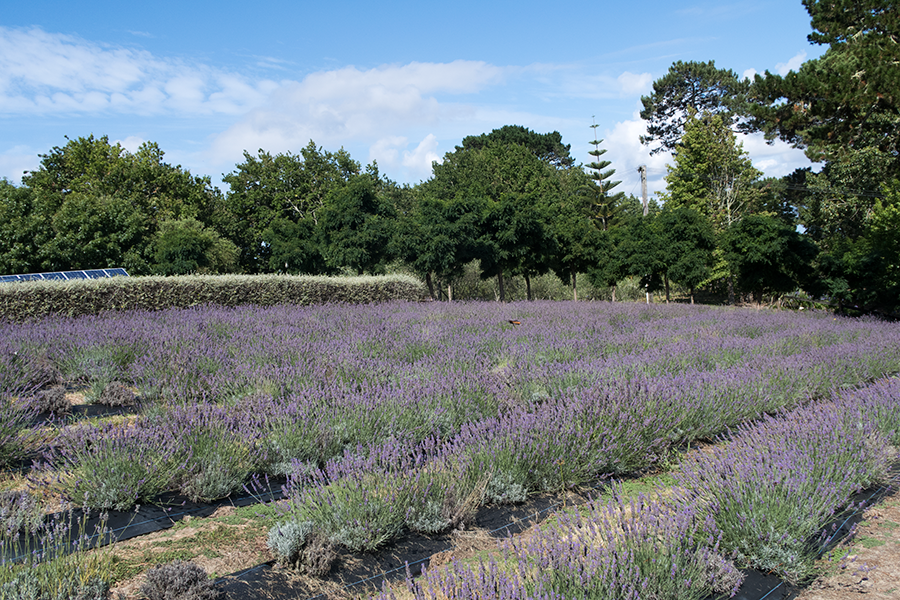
689 88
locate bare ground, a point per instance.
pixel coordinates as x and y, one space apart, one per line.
868 565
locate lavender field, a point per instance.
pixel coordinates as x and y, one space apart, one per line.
408 417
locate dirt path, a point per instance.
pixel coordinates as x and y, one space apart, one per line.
868 566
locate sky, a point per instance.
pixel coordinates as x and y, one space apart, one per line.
400 83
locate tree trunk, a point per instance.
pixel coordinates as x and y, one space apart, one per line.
614 294
666 280
528 287
502 290
574 287
429 284
449 293
692 295
731 289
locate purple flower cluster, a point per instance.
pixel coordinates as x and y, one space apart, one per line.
620 549
577 391
776 485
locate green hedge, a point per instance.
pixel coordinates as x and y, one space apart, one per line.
35 299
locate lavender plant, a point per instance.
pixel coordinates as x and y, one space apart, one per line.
110 466
54 558
627 549
617 550
880 404
777 485
216 449
19 511
53 401
117 393
15 434
179 580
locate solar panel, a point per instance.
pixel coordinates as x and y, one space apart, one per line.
64 275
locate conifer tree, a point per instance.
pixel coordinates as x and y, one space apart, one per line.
605 204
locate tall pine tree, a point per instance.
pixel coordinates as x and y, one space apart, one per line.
605 204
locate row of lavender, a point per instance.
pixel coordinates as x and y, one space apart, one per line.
575 391
766 498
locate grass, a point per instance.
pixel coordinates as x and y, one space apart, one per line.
194 538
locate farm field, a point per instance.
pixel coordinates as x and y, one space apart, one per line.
393 418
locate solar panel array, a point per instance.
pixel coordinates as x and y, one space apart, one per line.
66 275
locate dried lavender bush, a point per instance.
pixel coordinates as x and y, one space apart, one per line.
53 401
179 580
117 393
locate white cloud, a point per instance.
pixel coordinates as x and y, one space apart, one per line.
749 74
131 143
792 65
15 161
393 153
46 73
348 104
633 84
420 159
775 160
626 153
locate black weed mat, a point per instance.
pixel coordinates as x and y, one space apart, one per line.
358 573
82 411
166 510
365 573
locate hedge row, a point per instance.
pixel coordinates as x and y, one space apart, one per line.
36 299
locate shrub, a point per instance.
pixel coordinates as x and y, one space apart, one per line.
317 556
179 580
54 561
15 419
287 538
301 546
37 299
110 466
218 449
19 511
53 401
117 394
774 489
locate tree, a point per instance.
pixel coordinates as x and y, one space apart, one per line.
712 173
438 238
769 257
605 204
356 226
97 231
687 245
846 99
95 204
186 246
640 252
18 230
266 188
512 187
293 247
686 90
862 273
548 147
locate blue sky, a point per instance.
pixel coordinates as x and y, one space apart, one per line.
397 82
